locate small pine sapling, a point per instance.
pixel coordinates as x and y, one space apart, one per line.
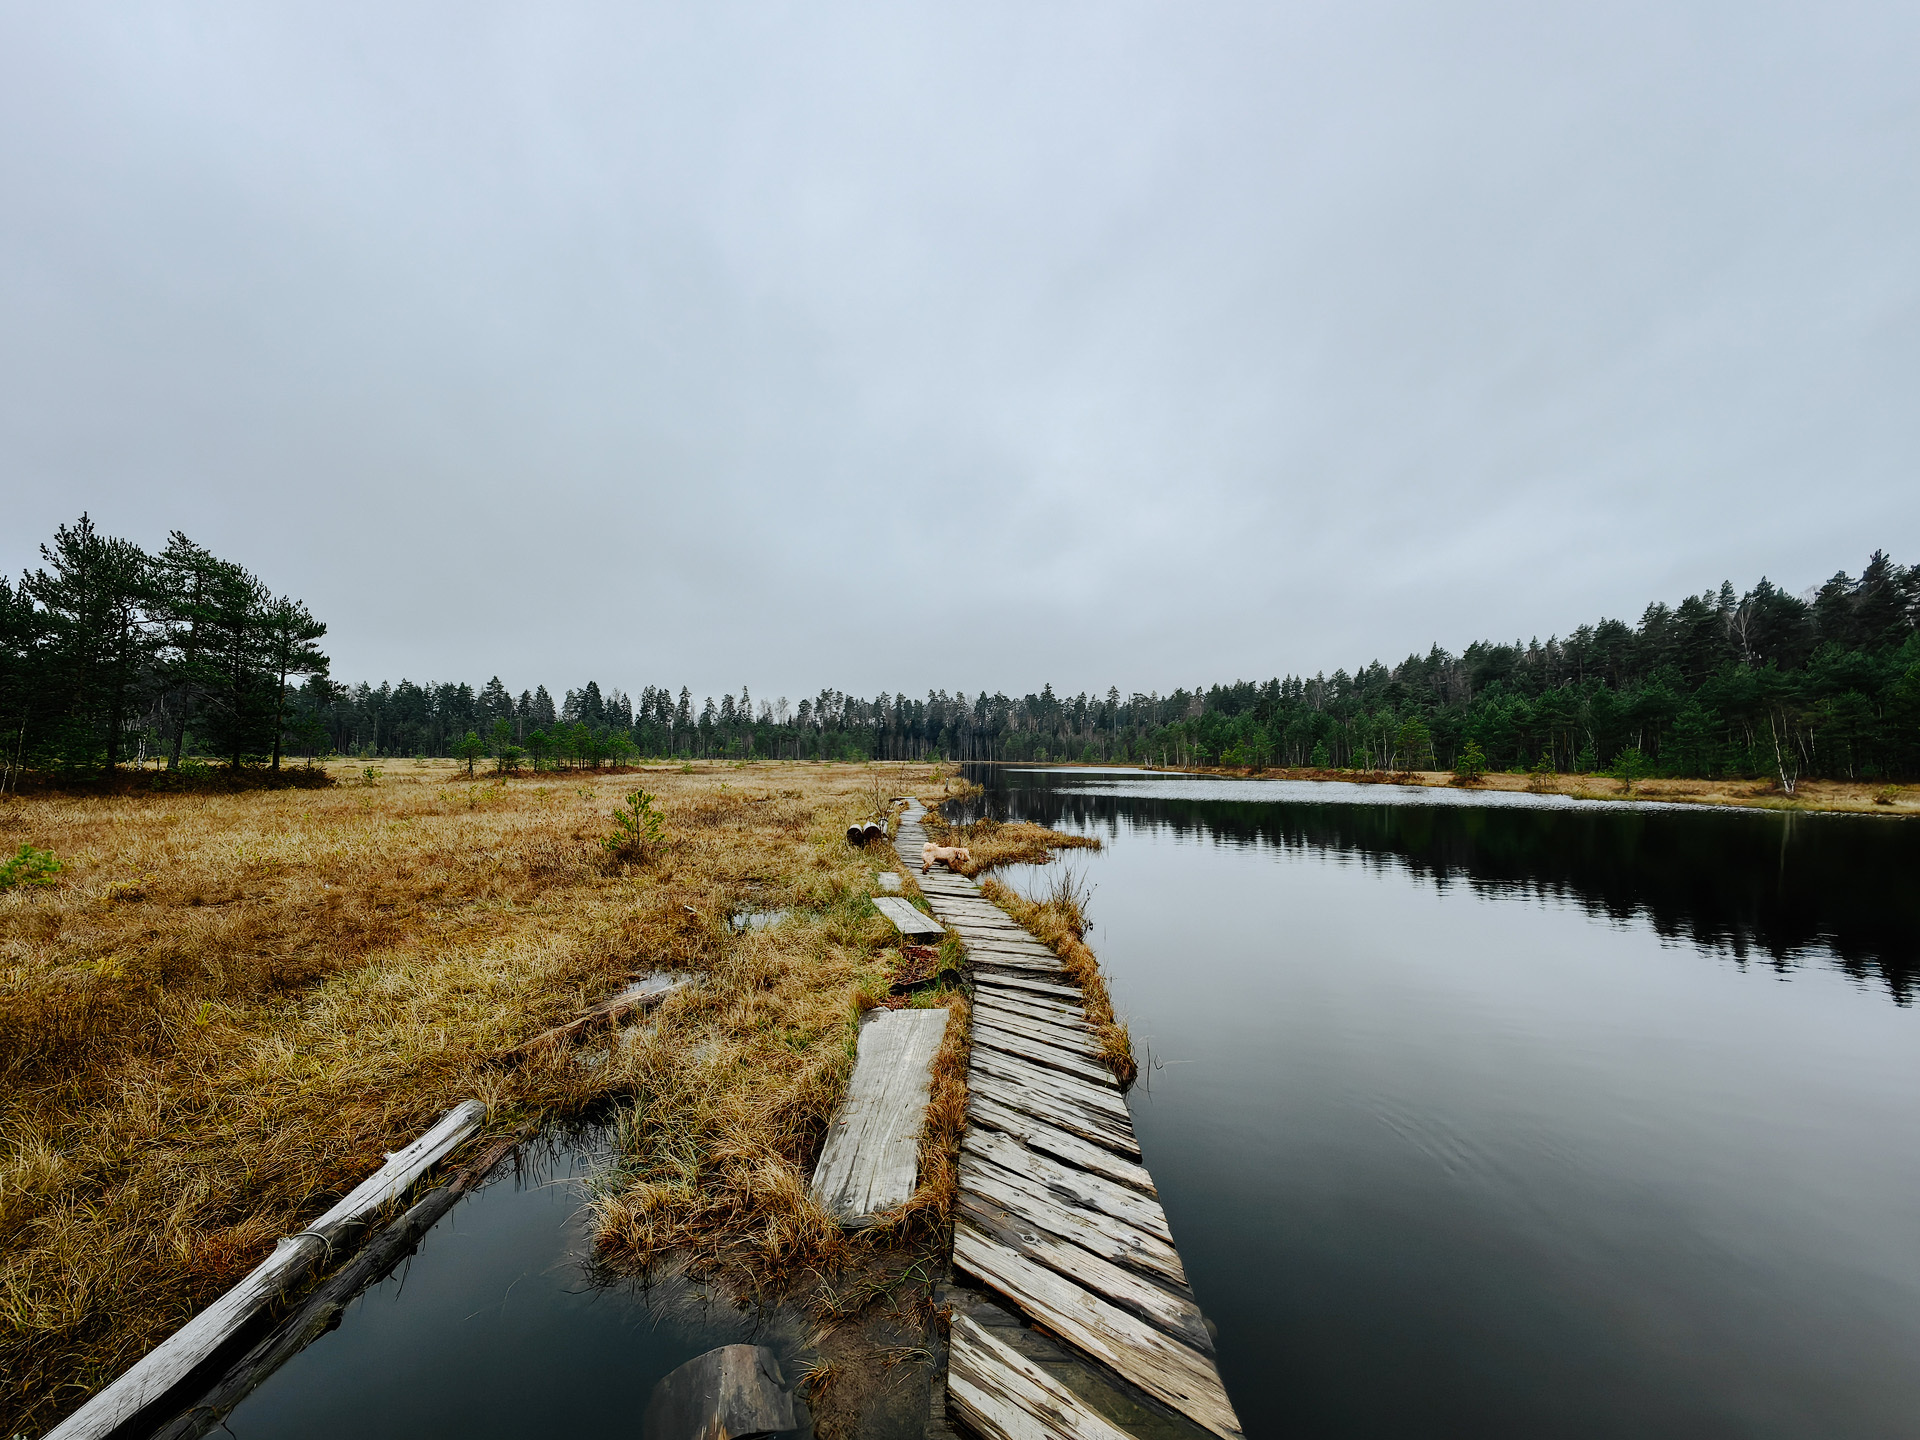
639 829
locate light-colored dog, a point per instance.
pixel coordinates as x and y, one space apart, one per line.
951 856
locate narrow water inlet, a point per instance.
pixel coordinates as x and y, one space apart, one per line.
502 1325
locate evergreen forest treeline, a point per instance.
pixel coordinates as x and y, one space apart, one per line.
108 654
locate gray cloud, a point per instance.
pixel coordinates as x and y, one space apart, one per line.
901 347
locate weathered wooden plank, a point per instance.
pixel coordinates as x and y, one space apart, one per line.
1104 1099
1026 984
1063 1115
1051 1140
163 1367
1036 963
1014 945
906 919
1110 1239
1001 1395
1062 1034
1160 1365
1069 1185
1045 1008
1174 1313
1038 1052
987 932
871 1159
1019 944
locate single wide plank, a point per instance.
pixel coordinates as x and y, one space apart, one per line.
1068 1185
1160 1307
1113 1240
906 919
1167 1370
1050 1140
1002 1395
1100 1129
871 1159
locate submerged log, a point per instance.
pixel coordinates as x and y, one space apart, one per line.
733 1393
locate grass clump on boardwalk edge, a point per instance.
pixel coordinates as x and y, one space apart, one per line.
227 1006
1059 919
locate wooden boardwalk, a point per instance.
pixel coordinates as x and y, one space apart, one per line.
1083 1324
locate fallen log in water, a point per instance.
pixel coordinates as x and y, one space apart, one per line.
321 1310
167 1364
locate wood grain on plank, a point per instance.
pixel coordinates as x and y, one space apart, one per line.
1039 1009
1113 1240
1102 1098
1026 984
1171 1372
871 1159
1058 1031
1070 1185
1165 1309
1002 1395
1038 1052
1047 1139
1074 1119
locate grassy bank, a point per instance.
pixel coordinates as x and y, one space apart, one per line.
225 1008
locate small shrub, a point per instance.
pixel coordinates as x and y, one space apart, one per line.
370 775
29 867
1886 797
639 829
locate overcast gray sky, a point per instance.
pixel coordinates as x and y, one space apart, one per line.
899 346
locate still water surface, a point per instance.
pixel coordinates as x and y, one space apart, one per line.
498 1326
1520 1119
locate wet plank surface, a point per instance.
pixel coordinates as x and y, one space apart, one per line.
1057 1218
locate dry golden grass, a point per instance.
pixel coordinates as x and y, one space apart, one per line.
229 1006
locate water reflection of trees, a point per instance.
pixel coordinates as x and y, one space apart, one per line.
1778 887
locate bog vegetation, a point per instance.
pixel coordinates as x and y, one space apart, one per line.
218 1010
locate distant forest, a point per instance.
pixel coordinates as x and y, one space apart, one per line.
109 655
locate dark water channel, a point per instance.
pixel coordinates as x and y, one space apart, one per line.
1511 1119
497 1327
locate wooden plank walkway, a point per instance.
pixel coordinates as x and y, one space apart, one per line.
907 920
871 1160
1057 1220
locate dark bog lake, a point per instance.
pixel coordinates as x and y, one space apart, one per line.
1495 1118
